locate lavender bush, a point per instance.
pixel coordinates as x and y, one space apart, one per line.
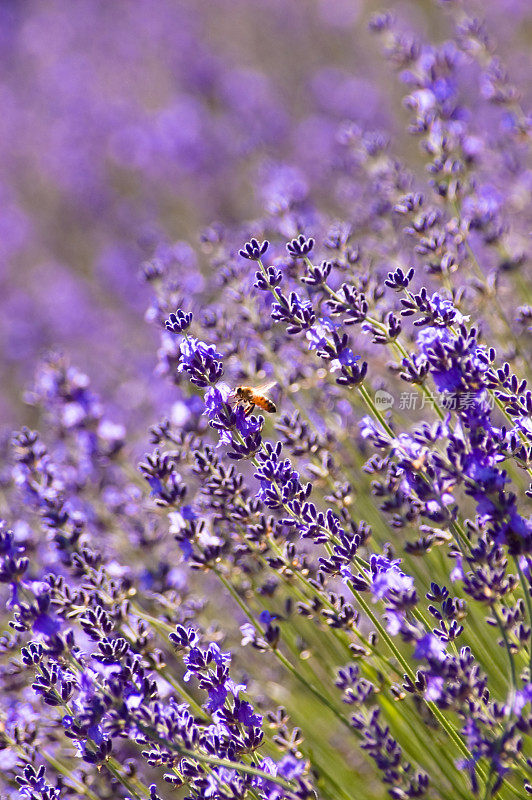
318 589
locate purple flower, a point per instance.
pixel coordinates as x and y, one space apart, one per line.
386 577
265 617
245 423
246 716
47 625
319 333
215 398
218 656
220 775
290 767
254 250
201 361
428 337
345 358
296 312
522 697
178 322
431 648
446 310
434 688
480 468
217 697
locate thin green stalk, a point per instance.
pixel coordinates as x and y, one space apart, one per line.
488 784
526 591
238 767
369 402
114 768
513 686
424 752
387 665
283 660
408 670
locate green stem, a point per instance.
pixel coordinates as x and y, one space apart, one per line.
526 591
236 765
513 686
113 767
284 661
452 733
367 399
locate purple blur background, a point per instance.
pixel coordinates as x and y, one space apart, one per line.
128 126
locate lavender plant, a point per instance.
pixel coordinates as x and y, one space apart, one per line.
322 588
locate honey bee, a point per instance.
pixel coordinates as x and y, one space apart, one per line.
256 396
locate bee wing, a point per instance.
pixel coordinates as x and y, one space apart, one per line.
264 388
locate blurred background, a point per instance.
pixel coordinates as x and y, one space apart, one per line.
126 127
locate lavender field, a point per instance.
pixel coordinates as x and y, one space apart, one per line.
265 425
